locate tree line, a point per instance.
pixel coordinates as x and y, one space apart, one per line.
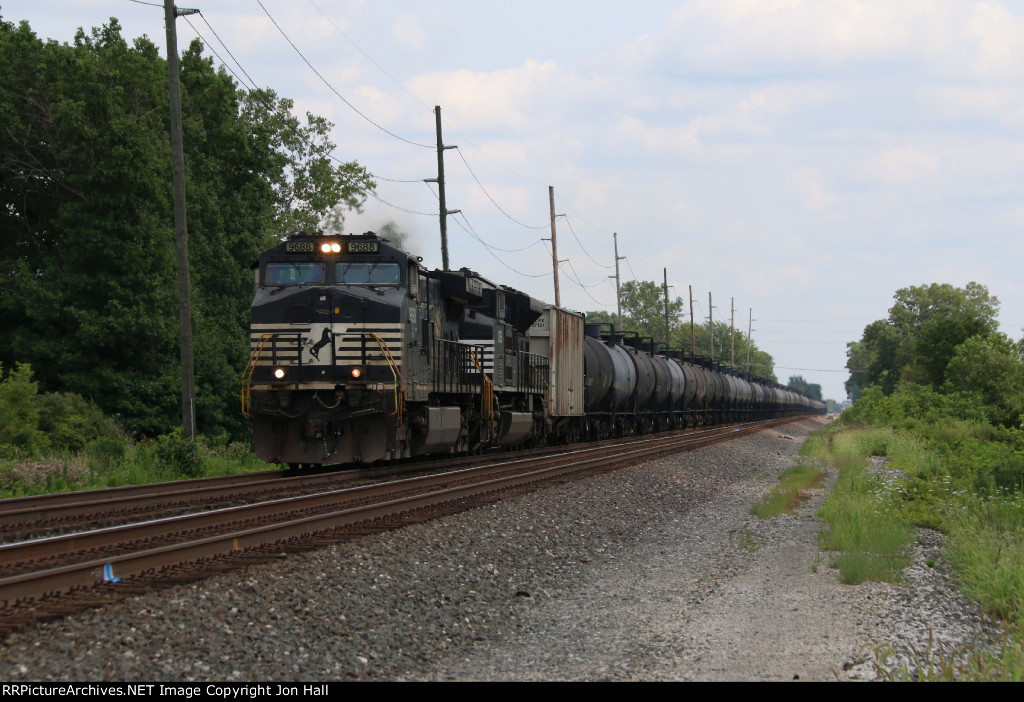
944 340
643 311
87 276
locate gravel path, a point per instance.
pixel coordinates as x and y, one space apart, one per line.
656 572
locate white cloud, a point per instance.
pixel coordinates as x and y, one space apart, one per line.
816 196
1000 42
631 134
407 31
901 165
948 37
492 100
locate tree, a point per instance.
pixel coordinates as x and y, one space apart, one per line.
991 367
918 339
643 311
87 257
812 390
308 189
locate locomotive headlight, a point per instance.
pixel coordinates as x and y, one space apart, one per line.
357 373
279 373
328 247
335 248
325 247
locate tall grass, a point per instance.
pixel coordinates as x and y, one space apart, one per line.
865 527
121 463
986 546
959 476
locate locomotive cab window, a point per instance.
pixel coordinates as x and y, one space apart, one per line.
367 273
294 273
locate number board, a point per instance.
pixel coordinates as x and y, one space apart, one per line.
363 247
299 247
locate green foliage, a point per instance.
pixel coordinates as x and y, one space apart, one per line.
812 390
917 341
33 425
788 493
89 293
986 544
913 405
961 476
866 526
991 367
19 411
179 454
72 423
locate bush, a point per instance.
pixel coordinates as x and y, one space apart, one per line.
107 451
71 422
911 405
179 454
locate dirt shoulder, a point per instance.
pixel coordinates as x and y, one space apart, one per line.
724 595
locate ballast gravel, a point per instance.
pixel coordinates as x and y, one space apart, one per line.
655 572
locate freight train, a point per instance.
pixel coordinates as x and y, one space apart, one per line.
360 354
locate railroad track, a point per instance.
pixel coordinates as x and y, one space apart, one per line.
52 576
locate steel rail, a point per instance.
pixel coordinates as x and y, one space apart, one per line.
122 503
482 481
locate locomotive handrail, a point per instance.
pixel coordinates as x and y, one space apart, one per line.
540 375
396 374
250 368
487 398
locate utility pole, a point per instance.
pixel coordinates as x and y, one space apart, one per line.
664 273
693 335
554 244
732 332
618 297
444 212
711 329
750 325
188 374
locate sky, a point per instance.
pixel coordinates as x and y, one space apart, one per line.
800 160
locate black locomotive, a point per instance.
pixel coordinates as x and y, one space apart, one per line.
360 354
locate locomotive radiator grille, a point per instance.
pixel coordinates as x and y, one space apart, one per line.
295 345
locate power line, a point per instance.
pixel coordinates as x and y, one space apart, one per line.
526 226
366 55
468 228
630 266
574 278
331 87
569 224
385 202
237 63
258 95
815 370
835 319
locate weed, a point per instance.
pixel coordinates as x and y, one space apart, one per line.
787 495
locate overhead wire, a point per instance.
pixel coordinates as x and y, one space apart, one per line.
366 55
500 209
468 228
397 207
418 100
565 218
574 278
237 62
258 94
332 88
480 239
